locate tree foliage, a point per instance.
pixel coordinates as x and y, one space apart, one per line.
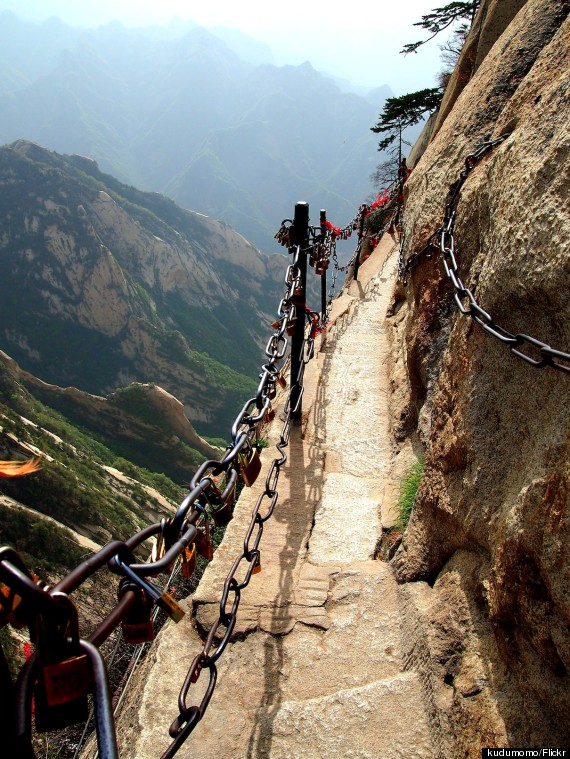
405 111
442 18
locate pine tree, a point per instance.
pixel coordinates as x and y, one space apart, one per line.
405 111
442 18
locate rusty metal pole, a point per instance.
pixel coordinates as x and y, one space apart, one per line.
358 248
300 237
324 274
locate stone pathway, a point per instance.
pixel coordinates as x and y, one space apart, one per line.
317 669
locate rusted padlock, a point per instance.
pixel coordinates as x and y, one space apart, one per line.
250 464
269 415
204 544
189 561
222 502
161 597
65 676
223 515
257 565
137 627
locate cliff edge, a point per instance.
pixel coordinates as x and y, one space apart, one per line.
484 564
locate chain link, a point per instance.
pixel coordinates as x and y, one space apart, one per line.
443 240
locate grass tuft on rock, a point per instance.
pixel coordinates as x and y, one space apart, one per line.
409 485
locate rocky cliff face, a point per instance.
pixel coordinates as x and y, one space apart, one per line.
102 285
491 522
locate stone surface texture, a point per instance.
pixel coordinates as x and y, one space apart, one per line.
490 529
316 667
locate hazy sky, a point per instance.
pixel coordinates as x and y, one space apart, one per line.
357 40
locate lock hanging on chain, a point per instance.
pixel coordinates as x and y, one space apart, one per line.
250 464
138 626
189 561
204 543
269 415
65 676
161 598
222 502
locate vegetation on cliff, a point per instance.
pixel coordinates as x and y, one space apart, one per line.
101 284
73 487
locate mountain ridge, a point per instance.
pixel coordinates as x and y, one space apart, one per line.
162 114
158 294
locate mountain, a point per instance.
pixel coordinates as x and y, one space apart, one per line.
222 132
109 467
102 285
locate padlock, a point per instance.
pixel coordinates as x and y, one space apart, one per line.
281 381
158 549
170 606
67 680
138 627
216 496
65 673
269 415
161 598
135 633
250 464
189 561
291 327
204 544
223 515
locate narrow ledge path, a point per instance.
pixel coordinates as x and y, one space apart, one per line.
317 667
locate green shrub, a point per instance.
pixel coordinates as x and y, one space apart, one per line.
409 484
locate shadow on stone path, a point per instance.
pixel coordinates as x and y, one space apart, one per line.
316 669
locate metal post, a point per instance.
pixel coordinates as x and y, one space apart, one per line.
324 274
300 237
359 248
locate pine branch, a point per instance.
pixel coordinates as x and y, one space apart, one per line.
440 19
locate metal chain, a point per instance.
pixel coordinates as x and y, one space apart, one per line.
443 240
221 630
24 598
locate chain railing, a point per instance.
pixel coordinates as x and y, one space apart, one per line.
323 239
65 669
443 241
